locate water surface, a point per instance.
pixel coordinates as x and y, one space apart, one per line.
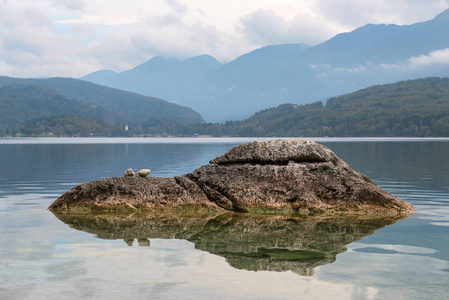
43 256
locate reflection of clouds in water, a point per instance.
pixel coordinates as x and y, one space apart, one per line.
78 265
49 260
173 268
440 223
27 249
403 249
396 271
73 264
86 287
65 270
25 236
437 216
168 269
15 203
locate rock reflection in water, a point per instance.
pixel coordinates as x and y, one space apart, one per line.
250 242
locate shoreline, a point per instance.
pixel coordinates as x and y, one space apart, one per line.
188 140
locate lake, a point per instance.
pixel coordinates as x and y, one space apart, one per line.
47 256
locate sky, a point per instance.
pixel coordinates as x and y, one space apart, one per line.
72 38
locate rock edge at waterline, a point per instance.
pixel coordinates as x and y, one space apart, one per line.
279 176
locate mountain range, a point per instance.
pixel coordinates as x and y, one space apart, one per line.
291 73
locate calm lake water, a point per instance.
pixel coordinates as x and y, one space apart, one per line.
43 256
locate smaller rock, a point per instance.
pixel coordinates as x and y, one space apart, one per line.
128 173
144 242
143 173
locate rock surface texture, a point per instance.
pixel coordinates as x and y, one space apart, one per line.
279 176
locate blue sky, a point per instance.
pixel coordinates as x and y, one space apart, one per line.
72 38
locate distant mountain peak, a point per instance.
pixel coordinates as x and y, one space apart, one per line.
104 72
165 64
156 62
444 16
205 58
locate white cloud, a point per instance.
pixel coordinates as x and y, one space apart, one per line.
177 6
356 69
356 13
439 57
390 67
29 47
266 26
70 4
84 29
35 18
76 37
435 60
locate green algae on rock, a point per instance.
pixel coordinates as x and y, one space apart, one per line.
272 177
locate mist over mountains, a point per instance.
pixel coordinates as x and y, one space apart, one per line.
291 73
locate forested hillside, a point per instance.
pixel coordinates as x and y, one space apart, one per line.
31 109
409 108
68 125
20 103
126 107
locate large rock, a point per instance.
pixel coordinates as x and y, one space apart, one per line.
258 177
134 193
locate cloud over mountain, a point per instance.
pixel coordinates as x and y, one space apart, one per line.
72 38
